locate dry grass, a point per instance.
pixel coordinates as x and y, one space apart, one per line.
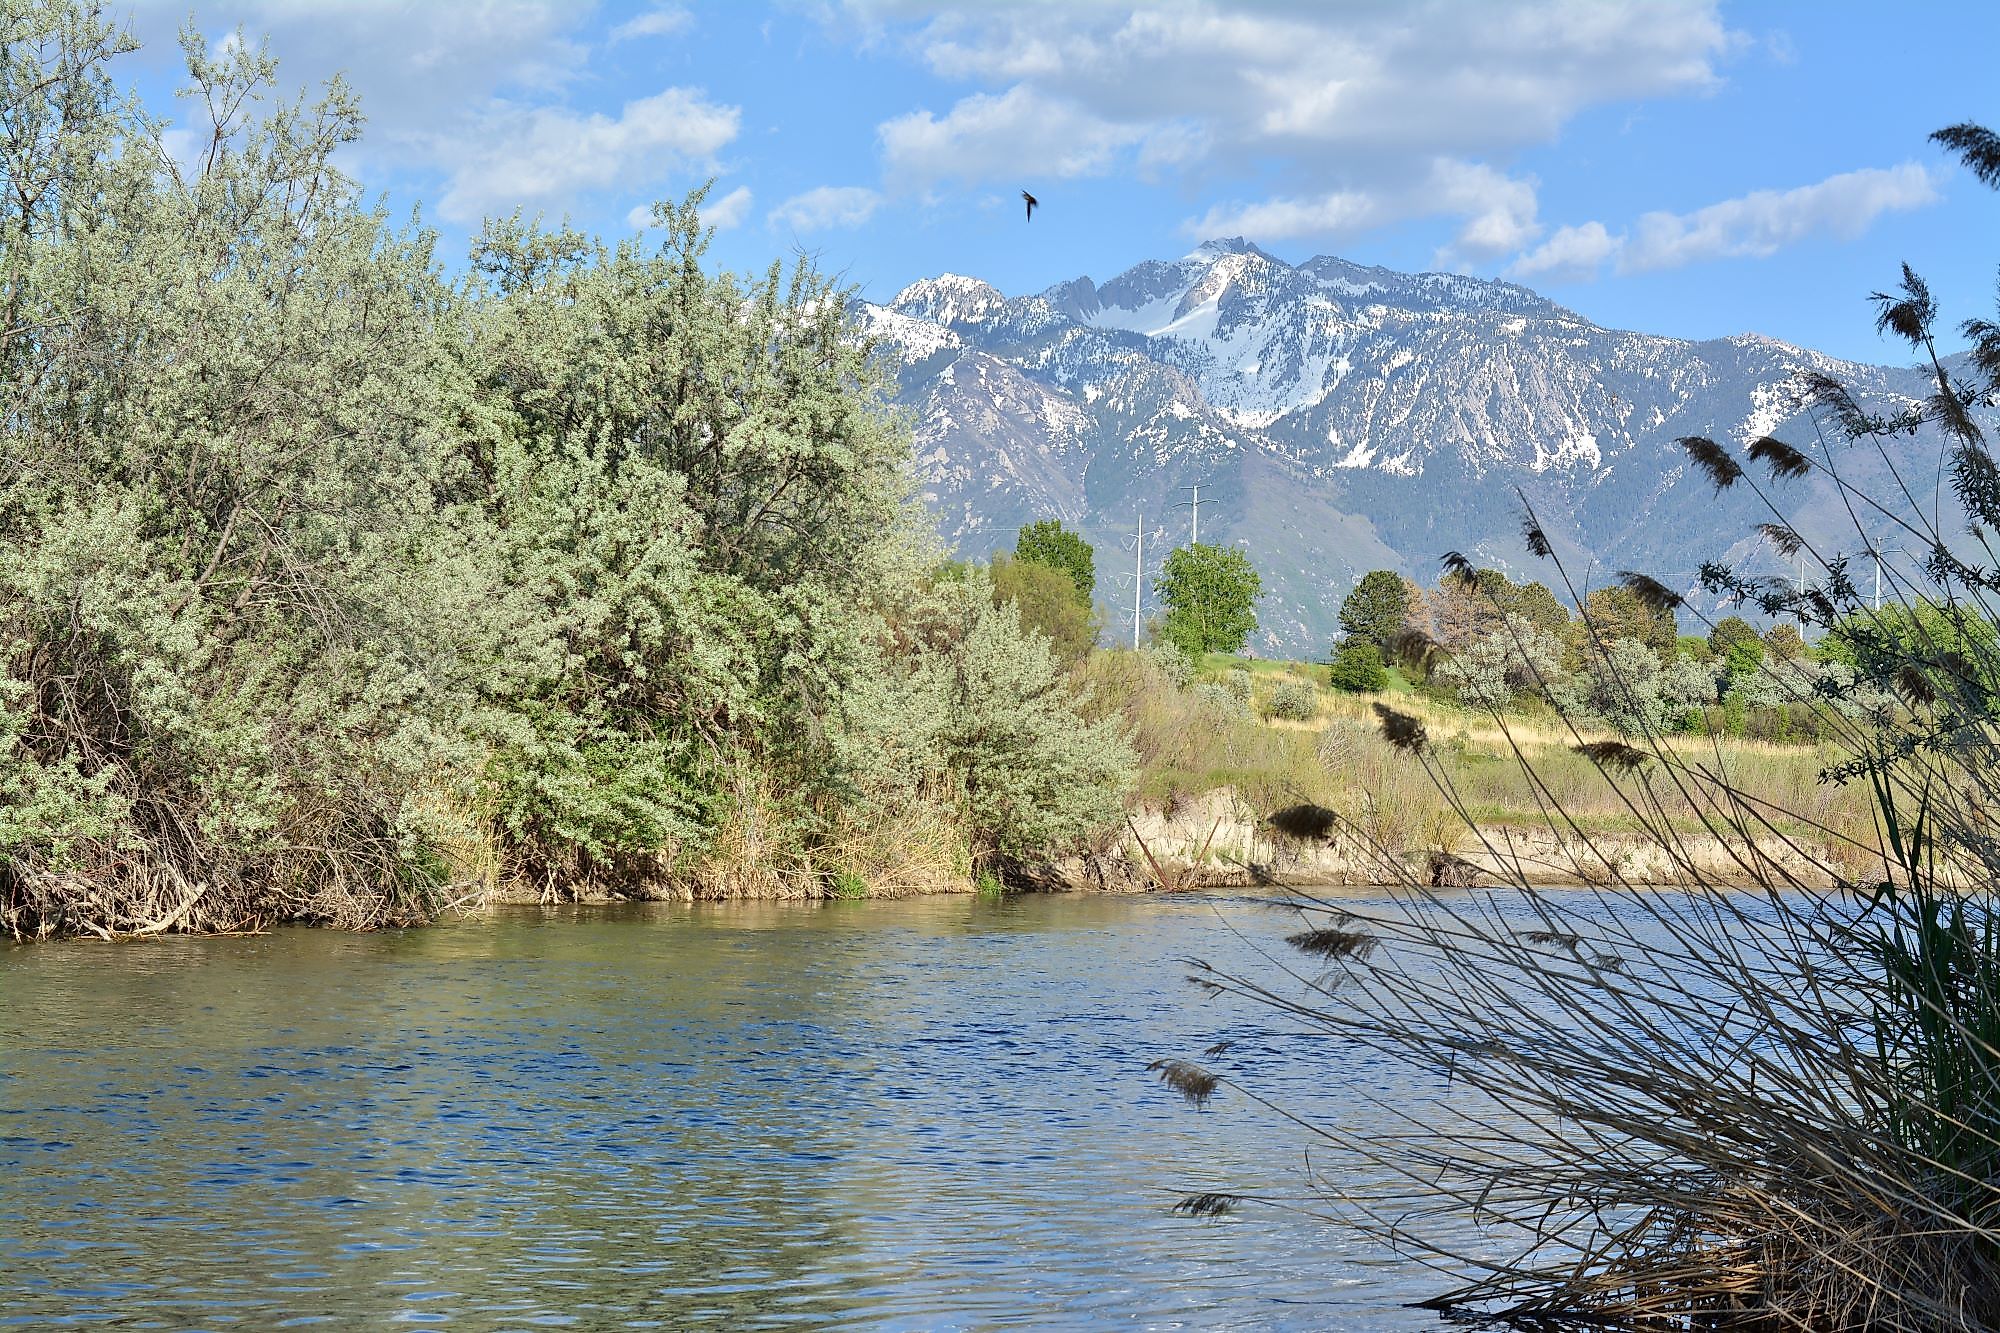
1340 761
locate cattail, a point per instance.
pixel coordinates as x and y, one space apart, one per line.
1977 147
1307 821
1783 460
1713 459
1613 754
1657 596
1190 1081
1207 1205
1414 648
1400 729
1459 570
1787 542
1910 315
1330 942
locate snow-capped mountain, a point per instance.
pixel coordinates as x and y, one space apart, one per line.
1338 419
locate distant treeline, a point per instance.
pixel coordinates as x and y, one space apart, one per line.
1483 640
331 585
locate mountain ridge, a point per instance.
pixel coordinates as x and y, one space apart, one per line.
1340 417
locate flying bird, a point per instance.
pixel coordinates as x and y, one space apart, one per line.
1032 201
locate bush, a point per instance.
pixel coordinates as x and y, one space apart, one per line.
341 580
1220 701
1294 701
1237 681
1358 668
1048 605
1170 662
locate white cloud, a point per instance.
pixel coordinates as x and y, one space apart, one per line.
728 211
1351 112
527 156
1020 133
827 206
1753 226
1571 254
464 89
662 22
417 66
1339 213
1499 211
1767 221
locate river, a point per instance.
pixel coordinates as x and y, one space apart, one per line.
932 1114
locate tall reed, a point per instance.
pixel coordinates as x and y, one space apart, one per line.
1765 1108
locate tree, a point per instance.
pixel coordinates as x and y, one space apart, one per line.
1357 667
1466 610
1736 641
1049 543
1616 612
319 572
1047 602
1534 603
1784 640
1210 593
1516 658
1376 611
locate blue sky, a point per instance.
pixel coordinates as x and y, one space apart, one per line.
1697 169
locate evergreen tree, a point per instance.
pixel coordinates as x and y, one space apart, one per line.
1376 611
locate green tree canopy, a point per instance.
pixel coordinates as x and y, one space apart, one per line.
1376 610
1463 611
1048 605
1050 543
1945 642
1736 641
1358 667
326 582
1784 640
1210 593
1534 603
1615 613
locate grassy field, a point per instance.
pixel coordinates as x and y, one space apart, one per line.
1500 773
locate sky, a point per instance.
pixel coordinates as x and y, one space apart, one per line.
1674 166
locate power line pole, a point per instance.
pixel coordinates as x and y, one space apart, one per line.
1138 580
1195 505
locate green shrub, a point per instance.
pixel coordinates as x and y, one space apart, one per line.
1172 664
1220 701
1358 669
1293 700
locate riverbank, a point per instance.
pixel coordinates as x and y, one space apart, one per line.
1219 839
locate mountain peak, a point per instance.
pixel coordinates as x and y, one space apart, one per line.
949 298
1217 247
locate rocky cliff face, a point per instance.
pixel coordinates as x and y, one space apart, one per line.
1340 419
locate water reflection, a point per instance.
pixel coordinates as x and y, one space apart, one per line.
906 1115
